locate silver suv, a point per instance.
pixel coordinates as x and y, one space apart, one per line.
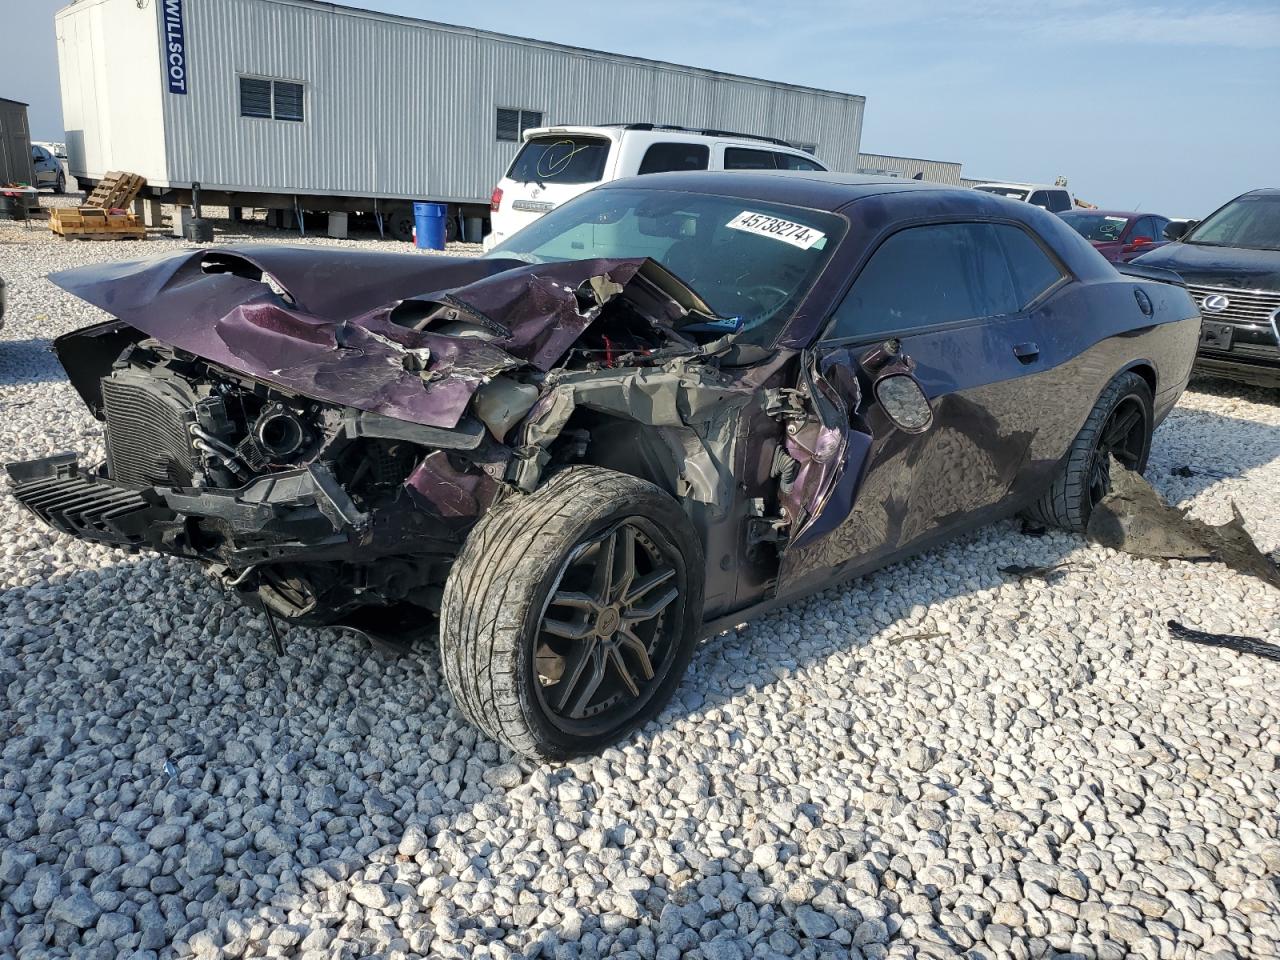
48 169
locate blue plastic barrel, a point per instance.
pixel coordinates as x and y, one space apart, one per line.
429 223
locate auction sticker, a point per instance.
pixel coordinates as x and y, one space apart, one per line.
796 234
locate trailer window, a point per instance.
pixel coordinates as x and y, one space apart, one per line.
287 104
512 123
255 97
271 99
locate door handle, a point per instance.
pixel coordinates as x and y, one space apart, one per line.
1026 352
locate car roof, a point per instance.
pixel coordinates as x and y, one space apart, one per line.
619 131
820 190
1020 186
1128 214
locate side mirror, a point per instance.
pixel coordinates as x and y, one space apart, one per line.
1176 231
904 403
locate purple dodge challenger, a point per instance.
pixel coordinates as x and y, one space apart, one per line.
666 405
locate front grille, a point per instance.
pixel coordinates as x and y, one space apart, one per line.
147 438
1245 308
77 505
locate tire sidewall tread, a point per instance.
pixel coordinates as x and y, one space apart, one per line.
504 570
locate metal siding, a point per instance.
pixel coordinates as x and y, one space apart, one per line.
15 144
934 171
398 108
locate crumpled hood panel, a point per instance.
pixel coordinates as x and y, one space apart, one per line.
330 337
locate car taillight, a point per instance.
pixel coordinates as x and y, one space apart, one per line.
495 201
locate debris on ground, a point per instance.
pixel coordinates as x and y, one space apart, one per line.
1135 519
1047 573
1259 648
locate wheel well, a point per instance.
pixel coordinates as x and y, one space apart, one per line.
625 446
1147 373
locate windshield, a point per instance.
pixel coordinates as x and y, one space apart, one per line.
1096 226
1250 221
1013 193
561 160
750 261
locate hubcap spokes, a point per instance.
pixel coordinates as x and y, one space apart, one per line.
602 631
1122 438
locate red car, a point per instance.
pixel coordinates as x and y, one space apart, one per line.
1116 235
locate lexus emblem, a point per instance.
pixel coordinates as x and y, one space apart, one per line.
1214 303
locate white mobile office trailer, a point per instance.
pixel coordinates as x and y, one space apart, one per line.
301 105
909 168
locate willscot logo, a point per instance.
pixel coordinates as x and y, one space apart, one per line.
175 47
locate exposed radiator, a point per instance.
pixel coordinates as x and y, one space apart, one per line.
147 429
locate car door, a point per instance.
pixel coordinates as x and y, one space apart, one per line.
45 166
937 315
1141 238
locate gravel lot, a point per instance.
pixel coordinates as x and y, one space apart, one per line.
936 760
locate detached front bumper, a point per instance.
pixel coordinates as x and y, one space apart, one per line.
298 514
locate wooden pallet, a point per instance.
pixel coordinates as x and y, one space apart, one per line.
116 190
93 223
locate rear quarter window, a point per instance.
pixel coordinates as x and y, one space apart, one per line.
1033 270
1059 201
662 157
789 161
744 158
569 159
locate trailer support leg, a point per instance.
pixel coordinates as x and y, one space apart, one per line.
153 213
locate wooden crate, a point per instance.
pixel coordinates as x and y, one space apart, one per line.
116 190
94 223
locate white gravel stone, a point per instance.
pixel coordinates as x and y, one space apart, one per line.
930 760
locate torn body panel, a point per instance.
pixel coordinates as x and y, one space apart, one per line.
258 312
412 418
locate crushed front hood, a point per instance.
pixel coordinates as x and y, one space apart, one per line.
318 321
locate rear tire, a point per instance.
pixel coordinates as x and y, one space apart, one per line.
1120 424
60 184
546 636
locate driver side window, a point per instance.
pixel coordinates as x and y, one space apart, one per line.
928 275
1143 229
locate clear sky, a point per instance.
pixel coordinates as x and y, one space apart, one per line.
1173 105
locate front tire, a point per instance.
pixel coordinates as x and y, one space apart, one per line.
60 184
571 614
1120 425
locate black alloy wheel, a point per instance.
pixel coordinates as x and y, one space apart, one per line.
1125 436
1119 426
604 639
571 613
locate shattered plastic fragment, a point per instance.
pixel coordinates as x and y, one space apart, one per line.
1230 641
1047 573
1136 519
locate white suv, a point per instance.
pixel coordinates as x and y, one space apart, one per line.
556 164
1055 199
